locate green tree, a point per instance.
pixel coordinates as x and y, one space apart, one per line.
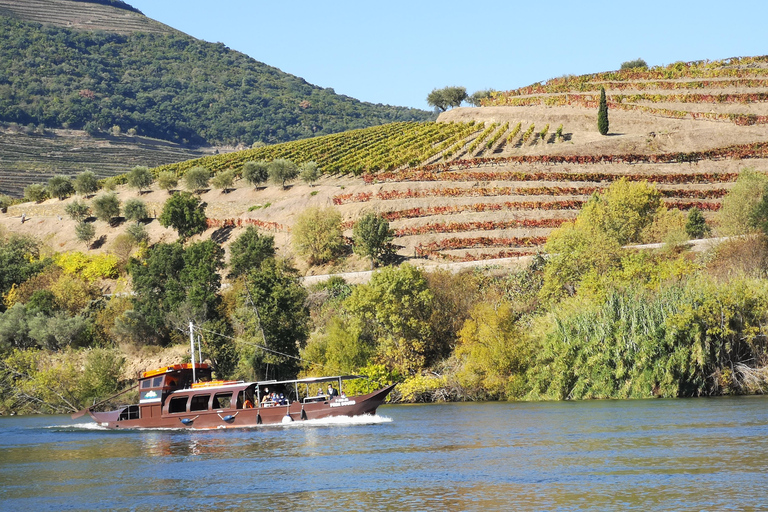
138 233
736 215
175 286
256 173
309 172
602 114
77 211
36 193
86 183
493 353
477 97
391 314
140 178
106 207
85 232
371 237
696 225
185 213
224 180
272 302
5 202
19 260
135 210
447 97
317 234
197 178
249 250
634 64
60 186
282 170
591 245
167 180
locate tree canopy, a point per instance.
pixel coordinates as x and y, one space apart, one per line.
185 213
447 97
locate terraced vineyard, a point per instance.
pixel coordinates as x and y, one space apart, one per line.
28 159
494 181
83 16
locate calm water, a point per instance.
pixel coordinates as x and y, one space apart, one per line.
704 454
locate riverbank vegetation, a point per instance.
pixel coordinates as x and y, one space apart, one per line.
592 317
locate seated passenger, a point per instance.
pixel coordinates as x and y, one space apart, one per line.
248 404
331 392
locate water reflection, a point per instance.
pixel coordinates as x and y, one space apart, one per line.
638 455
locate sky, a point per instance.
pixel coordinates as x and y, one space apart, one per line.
395 52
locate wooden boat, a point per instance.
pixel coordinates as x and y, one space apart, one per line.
184 396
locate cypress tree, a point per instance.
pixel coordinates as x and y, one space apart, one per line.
602 114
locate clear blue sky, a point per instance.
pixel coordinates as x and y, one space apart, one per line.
395 52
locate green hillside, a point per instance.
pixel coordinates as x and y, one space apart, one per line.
163 85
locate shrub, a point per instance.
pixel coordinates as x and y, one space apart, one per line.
282 170
35 193
317 234
140 178
633 64
106 207
86 183
224 180
197 178
167 180
309 172
256 173
85 232
135 210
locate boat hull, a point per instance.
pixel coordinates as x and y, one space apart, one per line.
243 418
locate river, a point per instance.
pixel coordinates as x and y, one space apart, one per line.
698 454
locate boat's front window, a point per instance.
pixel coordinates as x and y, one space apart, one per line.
222 400
158 381
178 404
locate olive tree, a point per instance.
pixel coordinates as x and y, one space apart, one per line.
447 97
282 170
140 178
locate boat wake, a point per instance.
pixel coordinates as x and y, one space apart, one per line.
340 421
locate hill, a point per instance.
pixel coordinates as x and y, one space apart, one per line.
107 70
493 181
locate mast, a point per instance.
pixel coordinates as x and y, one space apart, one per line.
192 350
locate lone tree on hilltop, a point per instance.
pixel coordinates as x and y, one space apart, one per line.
447 97
602 114
633 64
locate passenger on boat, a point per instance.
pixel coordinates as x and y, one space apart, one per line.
332 393
248 404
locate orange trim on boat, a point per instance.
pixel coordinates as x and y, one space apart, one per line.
215 383
173 368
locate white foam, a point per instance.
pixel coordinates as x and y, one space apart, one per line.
323 422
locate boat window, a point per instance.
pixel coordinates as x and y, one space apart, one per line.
199 403
178 404
146 383
158 381
129 413
222 400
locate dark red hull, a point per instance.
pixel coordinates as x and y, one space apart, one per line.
156 416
